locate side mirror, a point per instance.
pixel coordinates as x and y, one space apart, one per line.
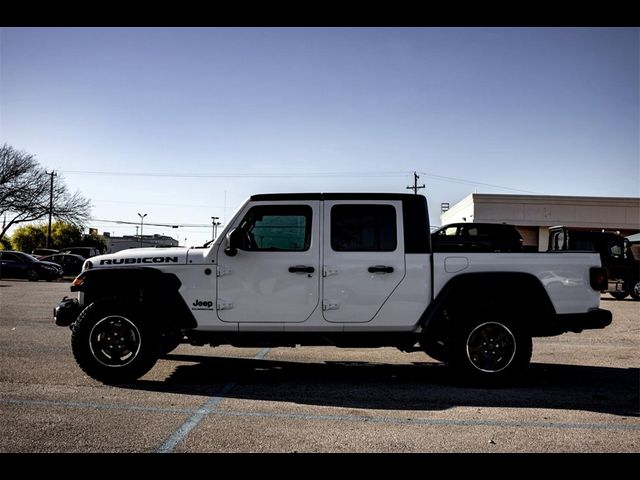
233 241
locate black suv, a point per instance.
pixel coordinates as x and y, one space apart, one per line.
477 237
623 269
23 265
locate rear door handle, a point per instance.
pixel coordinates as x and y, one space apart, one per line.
301 269
380 269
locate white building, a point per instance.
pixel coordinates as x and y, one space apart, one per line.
115 244
534 214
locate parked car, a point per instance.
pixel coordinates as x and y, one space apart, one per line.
22 265
43 252
477 237
85 252
71 264
623 269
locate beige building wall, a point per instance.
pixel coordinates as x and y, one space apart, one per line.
534 214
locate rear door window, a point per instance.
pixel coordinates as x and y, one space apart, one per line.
363 228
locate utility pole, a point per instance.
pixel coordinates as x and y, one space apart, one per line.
141 224
52 174
415 187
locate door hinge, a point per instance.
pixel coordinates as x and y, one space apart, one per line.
328 271
221 270
329 305
224 305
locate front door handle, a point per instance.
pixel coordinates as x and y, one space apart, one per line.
380 269
301 269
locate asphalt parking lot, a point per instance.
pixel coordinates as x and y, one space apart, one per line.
581 394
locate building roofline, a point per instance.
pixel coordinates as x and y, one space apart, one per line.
558 199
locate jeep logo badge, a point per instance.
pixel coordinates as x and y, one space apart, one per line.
202 305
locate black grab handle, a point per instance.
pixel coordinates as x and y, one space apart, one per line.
380 269
301 269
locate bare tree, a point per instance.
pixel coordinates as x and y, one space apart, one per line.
25 189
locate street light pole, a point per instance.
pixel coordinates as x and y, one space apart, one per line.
141 225
215 223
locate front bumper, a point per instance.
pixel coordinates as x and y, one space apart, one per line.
577 322
66 312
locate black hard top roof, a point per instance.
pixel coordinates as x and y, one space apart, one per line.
333 196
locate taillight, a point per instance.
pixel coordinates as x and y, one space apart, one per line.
598 278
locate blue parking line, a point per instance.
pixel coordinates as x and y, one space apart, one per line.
97 406
209 408
170 444
430 421
262 353
193 421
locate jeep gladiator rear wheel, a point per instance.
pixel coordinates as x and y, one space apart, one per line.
112 342
491 350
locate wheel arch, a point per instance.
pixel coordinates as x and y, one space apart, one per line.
478 293
156 291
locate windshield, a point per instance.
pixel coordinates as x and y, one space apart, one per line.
29 258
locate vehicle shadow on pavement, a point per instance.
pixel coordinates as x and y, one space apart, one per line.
418 386
628 299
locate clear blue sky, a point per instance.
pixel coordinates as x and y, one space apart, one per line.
550 111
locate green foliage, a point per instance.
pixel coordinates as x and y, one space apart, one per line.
63 234
28 237
97 241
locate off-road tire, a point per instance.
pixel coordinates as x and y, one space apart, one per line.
113 341
491 351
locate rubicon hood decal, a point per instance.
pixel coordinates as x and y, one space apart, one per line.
142 256
129 260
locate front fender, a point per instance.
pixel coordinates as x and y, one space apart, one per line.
157 291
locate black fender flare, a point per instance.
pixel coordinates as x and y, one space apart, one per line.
155 290
472 292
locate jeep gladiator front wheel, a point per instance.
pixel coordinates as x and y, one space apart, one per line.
491 351
112 343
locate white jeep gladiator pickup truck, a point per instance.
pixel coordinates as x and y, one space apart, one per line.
347 270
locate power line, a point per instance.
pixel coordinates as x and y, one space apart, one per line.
168 225
158 204
146 227
298 175
473 182
239 175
